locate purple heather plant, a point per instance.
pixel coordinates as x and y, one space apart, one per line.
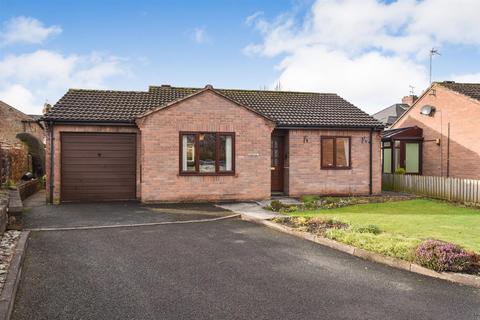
444 256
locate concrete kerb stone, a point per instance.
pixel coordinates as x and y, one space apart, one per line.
460 278
7 298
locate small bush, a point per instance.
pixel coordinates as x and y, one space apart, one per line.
444 256
321 225
387 244
288 209
309 198
42 181
400 171
371 228
276 205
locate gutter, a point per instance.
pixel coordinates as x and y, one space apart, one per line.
93 122
328 128
370 171
52 154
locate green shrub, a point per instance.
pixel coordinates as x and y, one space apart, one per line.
400 171
288 209
42 181
320 225
386 244
276 205
371 228
309 198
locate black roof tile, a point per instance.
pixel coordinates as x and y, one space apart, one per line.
471 90
287 109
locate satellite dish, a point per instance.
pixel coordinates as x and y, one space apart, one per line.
427 110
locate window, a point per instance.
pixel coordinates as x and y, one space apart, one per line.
412 157
397 147
387 158
335 152
404 154
207 153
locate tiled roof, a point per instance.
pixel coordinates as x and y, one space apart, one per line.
471 90
287 109
388 115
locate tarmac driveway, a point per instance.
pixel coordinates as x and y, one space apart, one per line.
228 269
40 215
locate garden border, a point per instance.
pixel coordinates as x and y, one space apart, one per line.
7 298
460 278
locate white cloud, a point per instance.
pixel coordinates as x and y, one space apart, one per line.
369 79
367 51
16 95
253 17
48 74
200 35
467 78
26 30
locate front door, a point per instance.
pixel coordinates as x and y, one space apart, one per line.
278 152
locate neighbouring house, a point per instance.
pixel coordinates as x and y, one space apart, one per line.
13 122
390 114
438 135
192 144
21 139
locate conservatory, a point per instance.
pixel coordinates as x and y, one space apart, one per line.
402 150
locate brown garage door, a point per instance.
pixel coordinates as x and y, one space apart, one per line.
98 166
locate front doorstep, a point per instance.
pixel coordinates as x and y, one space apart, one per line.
460 278
7 298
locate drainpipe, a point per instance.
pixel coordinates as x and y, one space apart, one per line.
448 151
370 187
52 153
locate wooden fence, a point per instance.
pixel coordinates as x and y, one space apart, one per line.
451 189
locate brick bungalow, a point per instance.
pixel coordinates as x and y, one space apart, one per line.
438 135
191 144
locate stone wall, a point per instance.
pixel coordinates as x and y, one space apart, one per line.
3 218
28 188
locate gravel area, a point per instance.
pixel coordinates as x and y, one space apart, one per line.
7 246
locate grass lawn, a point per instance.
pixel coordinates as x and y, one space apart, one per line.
407 221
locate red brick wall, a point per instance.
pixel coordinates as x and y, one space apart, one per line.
58 129
463 113
307 177
158 176
205 112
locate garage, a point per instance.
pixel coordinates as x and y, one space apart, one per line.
98 166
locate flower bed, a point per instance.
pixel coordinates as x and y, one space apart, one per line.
443 256
312 202
432 254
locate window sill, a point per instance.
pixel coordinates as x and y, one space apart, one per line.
336 168
213 174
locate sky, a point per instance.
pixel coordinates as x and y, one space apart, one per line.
370 52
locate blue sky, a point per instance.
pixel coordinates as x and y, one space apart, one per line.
324 45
